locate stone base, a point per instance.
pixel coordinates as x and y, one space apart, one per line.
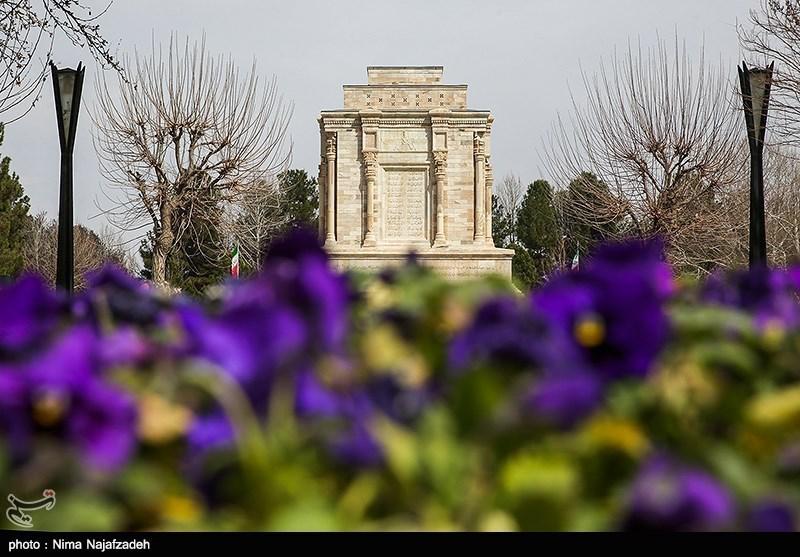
452 263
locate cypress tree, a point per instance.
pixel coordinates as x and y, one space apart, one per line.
14 206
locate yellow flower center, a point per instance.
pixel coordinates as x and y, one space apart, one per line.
773 333
49 408
590 331
180 509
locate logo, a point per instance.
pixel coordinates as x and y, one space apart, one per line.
16 512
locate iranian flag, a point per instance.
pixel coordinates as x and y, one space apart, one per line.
235 262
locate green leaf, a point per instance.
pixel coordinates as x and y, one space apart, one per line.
311 514
76 511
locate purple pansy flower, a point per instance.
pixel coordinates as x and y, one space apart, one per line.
293 311
14 411
249 343
209 432
767 294
401 403
60 392
771 516
507 332
612 309
125 346
357 447
103 424
127 299
580 331
349 408
30 311
313 399
298 272
669 496
565 399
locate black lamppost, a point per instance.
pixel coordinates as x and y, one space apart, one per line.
755 83
67 84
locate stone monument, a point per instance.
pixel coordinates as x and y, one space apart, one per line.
406 167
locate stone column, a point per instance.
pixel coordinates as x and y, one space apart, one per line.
330 189
440 172
480 190
322 193
489 192
370 171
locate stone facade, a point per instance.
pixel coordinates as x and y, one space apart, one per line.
405 166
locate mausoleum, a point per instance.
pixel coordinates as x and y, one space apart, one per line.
406 166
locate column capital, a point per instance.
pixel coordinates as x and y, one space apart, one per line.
479 146
440 161
370 158
330 144
330 189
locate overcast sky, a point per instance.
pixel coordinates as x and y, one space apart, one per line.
519 58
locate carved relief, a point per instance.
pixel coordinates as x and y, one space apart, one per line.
330 145
404 141
370 163
440 162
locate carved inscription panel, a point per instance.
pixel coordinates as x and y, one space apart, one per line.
405 204
404 141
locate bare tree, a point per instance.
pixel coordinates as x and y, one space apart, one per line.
663 138
27 31
255 220
187 131
509 195
92 250
782 205
39 249
773 34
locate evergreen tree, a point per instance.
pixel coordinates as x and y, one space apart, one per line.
14 206
502 225
300 198
537 232
583 225
524 272
199 258
200 261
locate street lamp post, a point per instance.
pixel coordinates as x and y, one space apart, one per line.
67 84
755 84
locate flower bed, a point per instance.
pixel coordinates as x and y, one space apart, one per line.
611 398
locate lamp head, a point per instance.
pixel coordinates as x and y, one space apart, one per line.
756 84
68 84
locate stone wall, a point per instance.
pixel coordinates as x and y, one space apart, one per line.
406 97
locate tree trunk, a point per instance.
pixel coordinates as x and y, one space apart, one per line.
159 266
162 245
